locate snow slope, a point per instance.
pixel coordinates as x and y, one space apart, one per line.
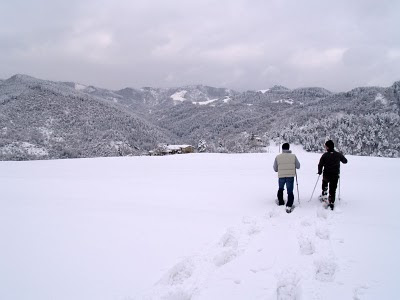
195 226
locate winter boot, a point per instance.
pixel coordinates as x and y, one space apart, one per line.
289 209
324 196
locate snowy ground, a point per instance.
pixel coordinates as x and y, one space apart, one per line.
196 226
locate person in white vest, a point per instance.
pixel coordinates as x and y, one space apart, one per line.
286 164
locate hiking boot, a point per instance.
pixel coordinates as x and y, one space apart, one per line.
288 209
323 198
331 206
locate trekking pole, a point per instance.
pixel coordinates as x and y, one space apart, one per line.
314 188
298 195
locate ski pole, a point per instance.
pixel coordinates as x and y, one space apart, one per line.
314 188
298 195
339 188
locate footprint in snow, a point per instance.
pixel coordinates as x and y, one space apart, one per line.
288 286
179 273
254 229
325 269
306 245
229 239
224 257
323 233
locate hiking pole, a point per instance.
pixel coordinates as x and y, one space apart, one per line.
314 188
298 195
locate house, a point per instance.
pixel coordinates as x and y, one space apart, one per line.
181 148
164 149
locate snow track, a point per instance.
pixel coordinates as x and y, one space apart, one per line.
280 256
201 226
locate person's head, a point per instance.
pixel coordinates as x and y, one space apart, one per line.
329 145
285 146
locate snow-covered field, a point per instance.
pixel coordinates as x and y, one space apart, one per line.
196 226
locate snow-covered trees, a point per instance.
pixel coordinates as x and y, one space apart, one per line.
376 135
67 124
88 122
202 146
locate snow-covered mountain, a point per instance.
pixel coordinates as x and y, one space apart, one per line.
363 121
44 119
167 97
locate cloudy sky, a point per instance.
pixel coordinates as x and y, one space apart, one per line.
239 44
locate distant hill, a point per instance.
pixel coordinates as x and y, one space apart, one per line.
45 119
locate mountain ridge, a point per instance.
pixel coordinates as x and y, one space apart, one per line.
132 121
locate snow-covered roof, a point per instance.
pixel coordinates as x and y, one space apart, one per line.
177 147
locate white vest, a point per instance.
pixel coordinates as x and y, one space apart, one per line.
286 165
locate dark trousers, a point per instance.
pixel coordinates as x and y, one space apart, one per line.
332 181
289 181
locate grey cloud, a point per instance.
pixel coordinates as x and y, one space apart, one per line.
239 44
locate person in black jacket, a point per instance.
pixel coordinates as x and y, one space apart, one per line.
330 163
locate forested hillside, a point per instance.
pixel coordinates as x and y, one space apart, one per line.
43 119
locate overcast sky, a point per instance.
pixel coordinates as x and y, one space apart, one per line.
239 44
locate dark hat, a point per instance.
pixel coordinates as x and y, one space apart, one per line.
285 146
330 144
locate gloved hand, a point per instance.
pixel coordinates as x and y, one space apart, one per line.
319 173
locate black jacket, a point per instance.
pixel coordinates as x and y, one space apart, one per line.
330 161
